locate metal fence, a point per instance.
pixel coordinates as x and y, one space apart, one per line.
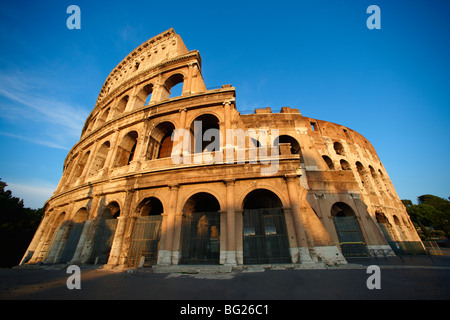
350 237
432 248
265 237
103 241
145 241
200 238
71 242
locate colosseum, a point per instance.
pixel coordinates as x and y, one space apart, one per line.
159 178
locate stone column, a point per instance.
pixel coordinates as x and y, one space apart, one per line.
33 252
176 250
231 224
239 225
186 139
116 247
90 240
187 83
168 228
60 241
76 259
126 242
227 112
228 144
223 237
119 241
111 151
292 238
302 241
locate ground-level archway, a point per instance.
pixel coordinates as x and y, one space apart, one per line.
200 231
75 228
265 237
349 233
146 233
105 230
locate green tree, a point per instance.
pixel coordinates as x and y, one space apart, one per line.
431 211
17 227
441 217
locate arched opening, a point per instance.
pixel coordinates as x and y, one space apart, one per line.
176 90
54 231
144 96
104 237
349 233
264 231
205 133
329 162
345 165
363 175
100 158
375 177
169 90
339 148
146 233
291 144
76 228
385 226
200 236
102 119
126 149
385 181
150 207
160 143
400 229
121 106
81 165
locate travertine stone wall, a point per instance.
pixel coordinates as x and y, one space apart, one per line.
123 168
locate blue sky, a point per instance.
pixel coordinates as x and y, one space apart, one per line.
391 85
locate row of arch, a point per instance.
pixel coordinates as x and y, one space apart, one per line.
159 145
344 165
170 88
378 177
264 231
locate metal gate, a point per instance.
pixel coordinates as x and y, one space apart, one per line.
401 247
145 241
350 237
265 237
71 242
103 241
200 238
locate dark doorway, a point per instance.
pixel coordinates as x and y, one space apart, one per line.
349 233
265 235
201 230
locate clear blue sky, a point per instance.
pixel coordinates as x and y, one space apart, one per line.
391 85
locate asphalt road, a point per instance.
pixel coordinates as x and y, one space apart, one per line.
408 278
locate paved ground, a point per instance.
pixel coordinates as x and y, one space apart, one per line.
404 278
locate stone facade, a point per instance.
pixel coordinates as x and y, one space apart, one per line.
148 183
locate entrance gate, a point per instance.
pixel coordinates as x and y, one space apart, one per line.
350 237
200 238
103 241
71 242
265 236
145 240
